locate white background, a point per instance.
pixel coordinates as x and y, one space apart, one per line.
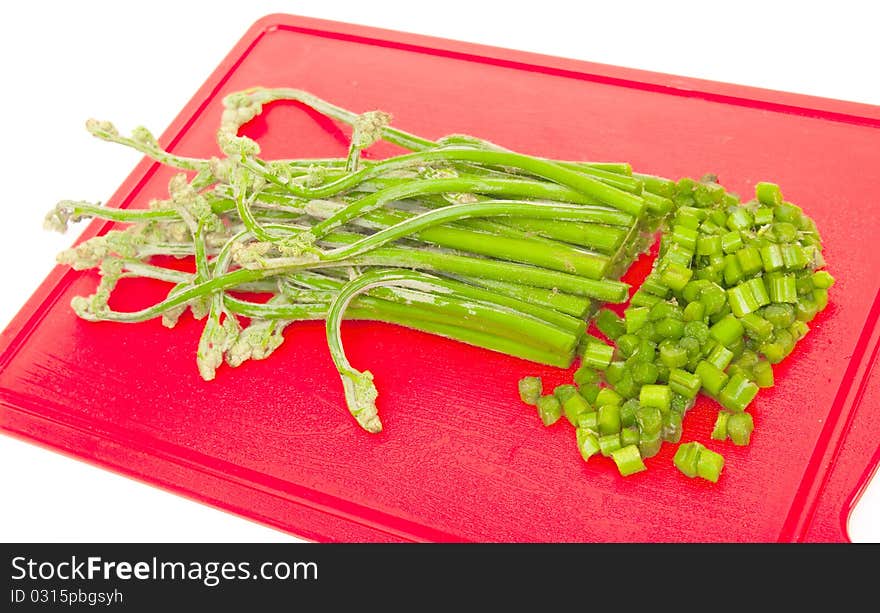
139 63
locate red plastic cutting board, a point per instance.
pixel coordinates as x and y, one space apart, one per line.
461 458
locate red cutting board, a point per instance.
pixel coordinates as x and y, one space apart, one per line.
461 458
